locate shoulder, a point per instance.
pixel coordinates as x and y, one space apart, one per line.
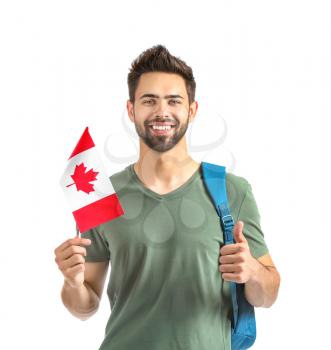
237 182
237 188
121 178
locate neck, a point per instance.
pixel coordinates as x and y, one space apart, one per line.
166 168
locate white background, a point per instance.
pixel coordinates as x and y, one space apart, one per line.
265 67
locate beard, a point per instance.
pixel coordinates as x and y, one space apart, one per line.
162 143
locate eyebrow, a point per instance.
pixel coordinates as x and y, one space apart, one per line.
157 96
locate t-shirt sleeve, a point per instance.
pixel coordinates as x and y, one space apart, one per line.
98 250
250 216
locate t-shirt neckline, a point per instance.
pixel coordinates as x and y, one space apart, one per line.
176 192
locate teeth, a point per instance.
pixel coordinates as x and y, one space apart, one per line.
166 127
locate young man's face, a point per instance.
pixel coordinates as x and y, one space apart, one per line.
161 112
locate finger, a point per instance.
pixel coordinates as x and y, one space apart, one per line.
72 261
230 268
66 265
73 271
73 249
72 241
229 259
232 277
238 234
231 249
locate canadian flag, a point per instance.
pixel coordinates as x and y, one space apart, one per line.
87 187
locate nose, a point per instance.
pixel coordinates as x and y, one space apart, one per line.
161 108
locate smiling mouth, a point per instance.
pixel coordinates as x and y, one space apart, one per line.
161 129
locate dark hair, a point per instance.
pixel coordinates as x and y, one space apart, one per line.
158 59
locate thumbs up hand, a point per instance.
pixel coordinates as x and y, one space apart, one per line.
236 262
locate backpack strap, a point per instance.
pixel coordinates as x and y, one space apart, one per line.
214 177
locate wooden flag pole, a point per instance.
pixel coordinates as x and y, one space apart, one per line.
78 234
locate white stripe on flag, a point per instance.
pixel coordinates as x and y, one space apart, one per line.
102 186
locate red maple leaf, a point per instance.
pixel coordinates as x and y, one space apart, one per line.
82 180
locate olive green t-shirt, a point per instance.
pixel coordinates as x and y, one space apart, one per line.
165 288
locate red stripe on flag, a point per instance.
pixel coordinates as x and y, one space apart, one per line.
85 142
98 212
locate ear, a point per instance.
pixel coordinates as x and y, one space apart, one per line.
129 108
193 110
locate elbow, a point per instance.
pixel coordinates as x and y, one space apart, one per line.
268 305
85 317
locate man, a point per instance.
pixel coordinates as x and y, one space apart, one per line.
170 270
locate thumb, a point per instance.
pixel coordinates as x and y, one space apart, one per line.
238 232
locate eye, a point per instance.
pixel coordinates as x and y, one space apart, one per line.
148 102
175 101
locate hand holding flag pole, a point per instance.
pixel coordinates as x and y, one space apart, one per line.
88 188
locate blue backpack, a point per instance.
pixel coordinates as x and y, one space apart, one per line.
243 326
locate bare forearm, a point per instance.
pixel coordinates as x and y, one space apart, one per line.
82 302
262 289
